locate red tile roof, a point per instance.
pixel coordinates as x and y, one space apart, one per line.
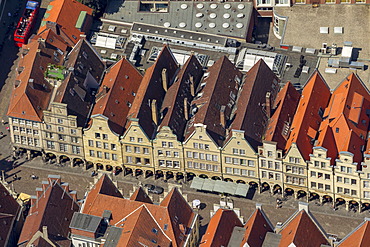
250 114
66 13
150 89
220 90
359 237
140 196
256 228
307 119
31 94
117 94
302 231
220 228
285 106
173 104
346 118
174 215
51 207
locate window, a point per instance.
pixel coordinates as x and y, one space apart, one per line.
339 189
164 144
236 171
92 153
301 181
139 139
76 149
300 170
98 144
170 144
320 186
228 160
271 175
114 156
339 179
50 144
235 151
196 165
313 174
346 191
206 146
264 174
74 139
113 147
277 166
29 123
189 154
23 140
15 128
251 173
30 141
277 176
97 135
37 142
128 159
288 179
201 156
343 169
346 180
195 145
106 156
349 170
137 150
214 158
319 174
317 164
60 129
313 184
366 184
291 159
366 194
105 137
23 130
190 164
215 168
263 163
146 150
138 160
162 163
353 192
241 151
295 169
62 147
91 143
60 121
128 149
61 137
132 139
21 121
269 164
297 160
229 170
353 181
99 154
195 155
15 120
251 163
243 162
235 161
327 187
288 168
327 176
269 153
168 153
322 164
17 139
176 164
29 131
73 132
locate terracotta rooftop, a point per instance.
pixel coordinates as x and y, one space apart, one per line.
251 113
84 73
314 99
346 122
216 97
302 230
179 95
66 13
53 207
151 92
359 237
285 106
173 216
117 93
220 228
256 228
31 94
140 196
8 213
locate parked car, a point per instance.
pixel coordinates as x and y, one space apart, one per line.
154 189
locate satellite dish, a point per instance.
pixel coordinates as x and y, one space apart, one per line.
198 25
226 15
213 6
182 24
212 25
241 6
225 25
200 5
199 15
239 25
183 6
167 24
212 15
227 6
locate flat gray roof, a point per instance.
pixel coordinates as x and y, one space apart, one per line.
237 236
227 18
85 222
271 240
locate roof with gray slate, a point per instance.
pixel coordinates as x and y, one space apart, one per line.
85 222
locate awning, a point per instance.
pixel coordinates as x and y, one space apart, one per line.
197 183
242 189
208 185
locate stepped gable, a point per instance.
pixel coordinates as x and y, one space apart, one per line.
220 228
53 207
256 228
151 91
117 93
314 99
251 114
219 90
140 196
346 117
179 96
285 106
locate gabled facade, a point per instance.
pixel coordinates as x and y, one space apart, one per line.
239 159
113 101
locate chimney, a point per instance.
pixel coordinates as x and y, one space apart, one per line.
65 187
30 83
164 79
54 179
73 194
192 89
259 206
154 111
186 111
222 116
303 206
33 201
39 192
268 104
45 232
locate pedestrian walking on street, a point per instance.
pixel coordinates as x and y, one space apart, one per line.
15 177
2 121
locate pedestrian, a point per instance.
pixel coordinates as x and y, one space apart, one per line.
15 177
7 128
2 121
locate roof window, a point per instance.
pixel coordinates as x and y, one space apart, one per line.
154 231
